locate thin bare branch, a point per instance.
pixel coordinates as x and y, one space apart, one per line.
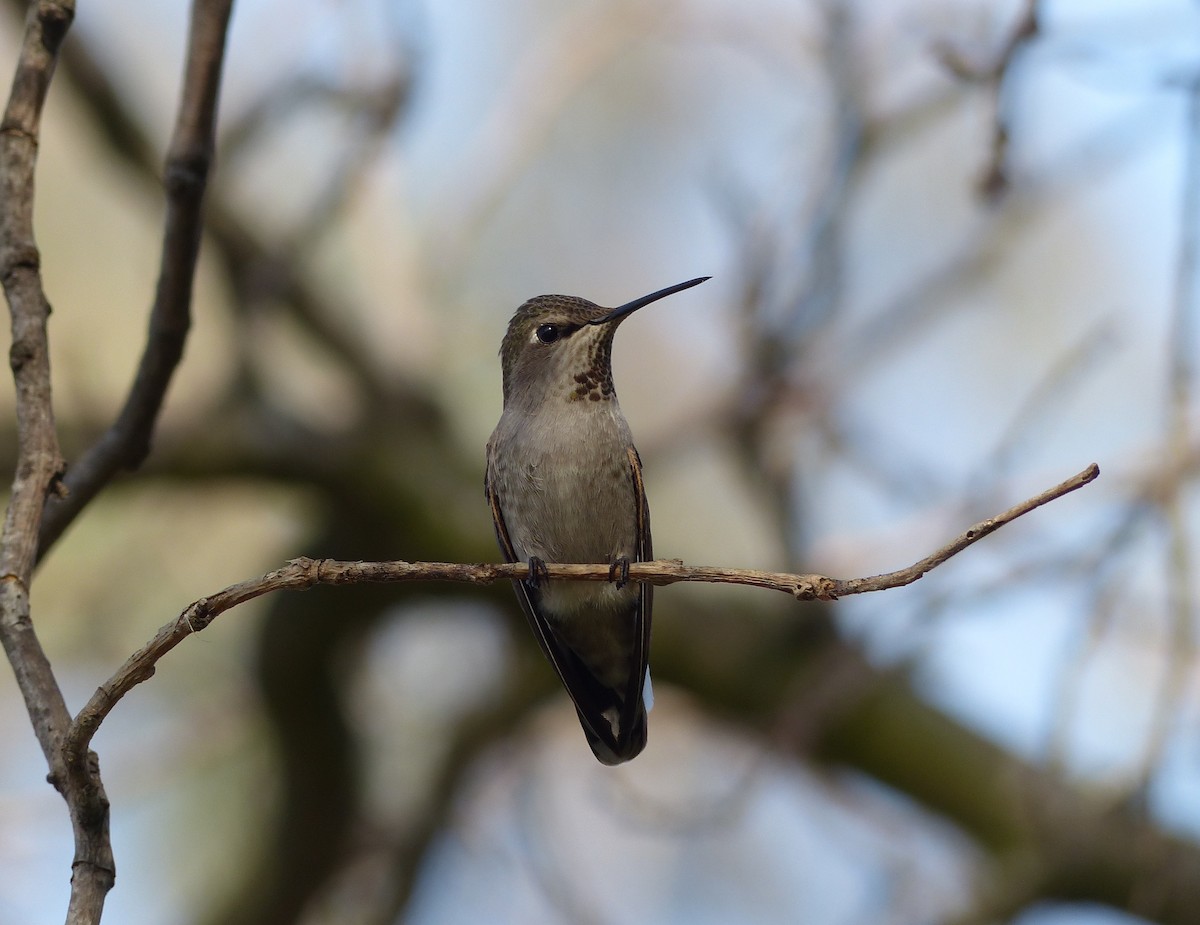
126 443
972 535
39 460
303 573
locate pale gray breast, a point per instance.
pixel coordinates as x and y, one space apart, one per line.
563 481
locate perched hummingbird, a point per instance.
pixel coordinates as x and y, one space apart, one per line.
564 483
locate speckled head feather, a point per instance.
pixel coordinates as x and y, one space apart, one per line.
551 340
560 346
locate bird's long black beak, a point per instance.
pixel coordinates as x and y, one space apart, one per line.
630 307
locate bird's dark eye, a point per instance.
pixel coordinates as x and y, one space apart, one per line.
548 333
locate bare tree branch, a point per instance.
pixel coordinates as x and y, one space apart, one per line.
74 771
127 441
39 461
303 573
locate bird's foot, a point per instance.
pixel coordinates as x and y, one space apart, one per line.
619 572
537 572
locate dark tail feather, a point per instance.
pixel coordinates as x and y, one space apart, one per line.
628 744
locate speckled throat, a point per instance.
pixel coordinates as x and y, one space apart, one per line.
595 382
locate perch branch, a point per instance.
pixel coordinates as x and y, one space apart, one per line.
303 573
126 443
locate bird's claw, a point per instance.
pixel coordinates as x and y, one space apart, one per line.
619 572
537 572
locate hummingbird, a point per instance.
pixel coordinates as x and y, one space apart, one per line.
564 484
